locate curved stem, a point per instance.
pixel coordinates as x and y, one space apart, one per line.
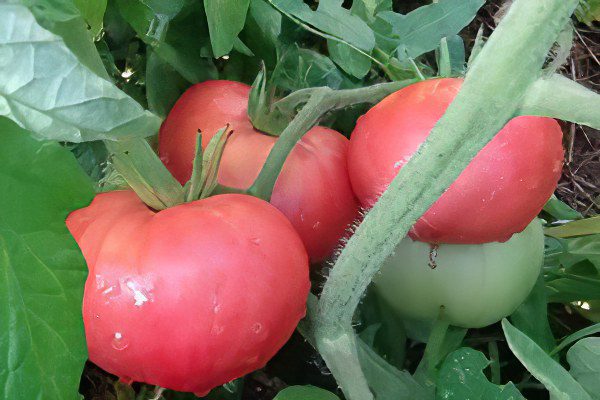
510 62
318 102
562 98
306 119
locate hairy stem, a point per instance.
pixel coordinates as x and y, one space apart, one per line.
318 102
562 98
509 63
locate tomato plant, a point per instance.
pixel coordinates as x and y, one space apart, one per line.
520 166
313 189
166 301
476 284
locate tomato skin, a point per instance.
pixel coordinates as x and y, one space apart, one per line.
313 190
477 284
504 187
190 297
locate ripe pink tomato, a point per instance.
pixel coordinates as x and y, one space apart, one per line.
190 297
313 190
501 191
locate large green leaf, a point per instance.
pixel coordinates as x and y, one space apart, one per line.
549 372
461 377
421 30
225 21
305 393
177 39
44 88
67 19
41 268
584 359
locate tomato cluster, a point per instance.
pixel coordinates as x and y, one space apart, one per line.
199 294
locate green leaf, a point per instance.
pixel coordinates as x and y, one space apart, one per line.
442 340
584 359
570 251
305 393
92 157
386 381
164 85
351 61
64 19
93 13
422 30
44 88
225 21
303 68
590 330
263 31
461 377
531 317
170 37
549 372
41 268
588 11
588 226
560 210
145 173
331 21
367 9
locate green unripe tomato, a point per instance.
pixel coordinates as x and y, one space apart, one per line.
477 284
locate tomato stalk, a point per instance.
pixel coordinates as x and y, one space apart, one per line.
318 101
508 65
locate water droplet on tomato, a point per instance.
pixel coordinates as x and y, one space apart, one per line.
257 327
316 225
255 241
119 342
216 308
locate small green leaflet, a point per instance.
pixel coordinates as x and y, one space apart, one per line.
44 88
304 68
305 393
588 11
93 13
42 271
331 19
461 377
584 359
549 372
169 36
225 21
420 31
588 226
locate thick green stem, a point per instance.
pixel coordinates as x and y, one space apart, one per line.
306 119
510 62
137 162
562 98
318 102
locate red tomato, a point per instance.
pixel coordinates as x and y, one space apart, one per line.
504 187
190 297
313 190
